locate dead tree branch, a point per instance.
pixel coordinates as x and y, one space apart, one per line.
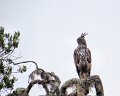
48 78
81 87
26 62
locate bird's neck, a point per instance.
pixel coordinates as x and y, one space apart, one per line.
81 46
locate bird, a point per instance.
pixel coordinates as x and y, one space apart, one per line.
82 58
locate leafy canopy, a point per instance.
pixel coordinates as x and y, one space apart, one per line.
8 44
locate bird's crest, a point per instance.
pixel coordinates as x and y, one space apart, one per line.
84 34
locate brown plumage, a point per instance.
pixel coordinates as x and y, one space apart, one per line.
82 58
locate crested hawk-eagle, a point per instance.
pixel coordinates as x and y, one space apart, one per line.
82 58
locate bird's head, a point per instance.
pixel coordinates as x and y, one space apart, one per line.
81 39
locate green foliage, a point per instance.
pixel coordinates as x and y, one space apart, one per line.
19 91
8 44
22 69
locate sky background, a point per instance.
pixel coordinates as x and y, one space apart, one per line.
49 29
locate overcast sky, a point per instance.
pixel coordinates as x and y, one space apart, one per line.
49 29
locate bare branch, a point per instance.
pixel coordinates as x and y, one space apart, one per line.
26 62
48 78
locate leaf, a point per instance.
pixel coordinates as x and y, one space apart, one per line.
1 30
24 68
7 35
1 85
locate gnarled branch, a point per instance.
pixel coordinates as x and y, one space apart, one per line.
82 86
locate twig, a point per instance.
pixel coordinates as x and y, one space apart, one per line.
26 62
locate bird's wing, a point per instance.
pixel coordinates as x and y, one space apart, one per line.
89 56
76 57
